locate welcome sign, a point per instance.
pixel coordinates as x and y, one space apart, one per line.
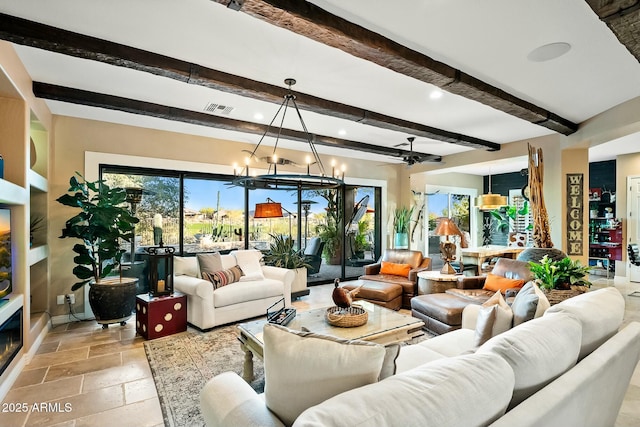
575 212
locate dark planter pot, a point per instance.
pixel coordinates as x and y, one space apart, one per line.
113 300
536 254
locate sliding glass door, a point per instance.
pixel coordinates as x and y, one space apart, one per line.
452 204
198 212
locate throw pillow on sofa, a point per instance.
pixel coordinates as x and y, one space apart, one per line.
303 369
209 263
495 283
223 277
186 266
495 317
395 269
529 303
249 262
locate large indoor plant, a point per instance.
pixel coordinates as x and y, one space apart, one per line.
282 253
506 222
401 223
101 224
559 274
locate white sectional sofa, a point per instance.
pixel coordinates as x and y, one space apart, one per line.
250 297
568 367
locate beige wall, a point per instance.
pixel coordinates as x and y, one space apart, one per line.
74 137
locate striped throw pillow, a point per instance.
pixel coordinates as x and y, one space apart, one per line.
223 277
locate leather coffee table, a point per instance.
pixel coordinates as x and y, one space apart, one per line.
383 326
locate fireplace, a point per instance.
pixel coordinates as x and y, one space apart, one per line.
10 339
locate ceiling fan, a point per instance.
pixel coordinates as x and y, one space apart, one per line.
412 158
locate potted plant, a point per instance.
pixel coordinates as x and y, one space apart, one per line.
360 243
506 222
281 253
332 251
101 223
561 274
401 222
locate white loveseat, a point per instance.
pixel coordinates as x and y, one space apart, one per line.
568 367
249 297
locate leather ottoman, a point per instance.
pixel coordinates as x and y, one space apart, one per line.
440 312
388 295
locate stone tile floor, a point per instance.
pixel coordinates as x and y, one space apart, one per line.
102 377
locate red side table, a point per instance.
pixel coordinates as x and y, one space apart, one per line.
161 316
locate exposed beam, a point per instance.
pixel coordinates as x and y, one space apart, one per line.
622 17
29 33
100 100
311 21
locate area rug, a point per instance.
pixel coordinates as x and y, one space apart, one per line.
181 365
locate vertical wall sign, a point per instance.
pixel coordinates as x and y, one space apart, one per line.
575 212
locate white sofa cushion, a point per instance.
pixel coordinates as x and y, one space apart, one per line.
240 292
538 351
435 394
303 369
452 343
186 266
249 262
600 313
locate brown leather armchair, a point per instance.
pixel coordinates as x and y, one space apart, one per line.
409 284
443 312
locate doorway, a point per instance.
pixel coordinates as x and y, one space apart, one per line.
633 222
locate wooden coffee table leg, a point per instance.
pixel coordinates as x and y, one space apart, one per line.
247 368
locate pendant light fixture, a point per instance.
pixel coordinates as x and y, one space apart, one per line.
273 180
489 202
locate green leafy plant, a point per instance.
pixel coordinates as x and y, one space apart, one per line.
101 223
332 240
402 219
282 254
560 274
506 220
360 243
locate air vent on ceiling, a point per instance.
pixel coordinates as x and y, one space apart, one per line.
214 108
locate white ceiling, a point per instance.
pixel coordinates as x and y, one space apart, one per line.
489 40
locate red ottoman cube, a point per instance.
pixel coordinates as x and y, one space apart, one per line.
161 316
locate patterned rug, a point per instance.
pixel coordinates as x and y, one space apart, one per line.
182 364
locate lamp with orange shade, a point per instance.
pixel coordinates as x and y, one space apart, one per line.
270 209
446 227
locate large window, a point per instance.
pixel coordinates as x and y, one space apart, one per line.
200 212
213 215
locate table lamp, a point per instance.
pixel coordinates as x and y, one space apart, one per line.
446 227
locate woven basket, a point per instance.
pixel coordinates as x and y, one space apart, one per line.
347 318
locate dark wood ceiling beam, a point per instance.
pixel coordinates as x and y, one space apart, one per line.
311 21
29 33
622 17
111 102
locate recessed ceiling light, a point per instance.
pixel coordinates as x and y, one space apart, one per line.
258 116
436 94
342 132
548 52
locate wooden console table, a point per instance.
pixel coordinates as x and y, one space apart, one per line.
480 254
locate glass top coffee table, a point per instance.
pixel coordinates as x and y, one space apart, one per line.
383 326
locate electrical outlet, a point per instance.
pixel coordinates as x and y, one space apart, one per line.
60 299
71 298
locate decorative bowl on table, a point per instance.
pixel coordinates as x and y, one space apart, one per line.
346 317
